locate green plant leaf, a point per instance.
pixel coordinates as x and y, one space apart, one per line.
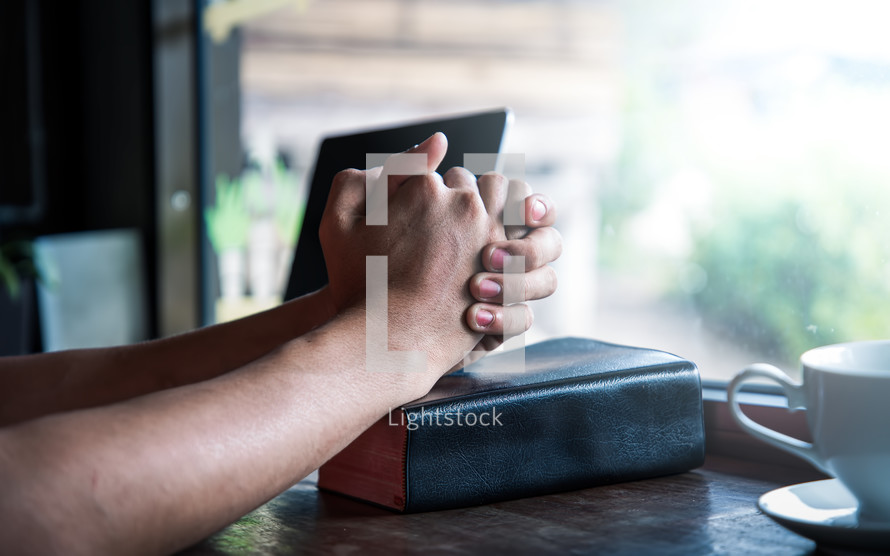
228 221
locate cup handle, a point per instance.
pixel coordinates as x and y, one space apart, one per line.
796 400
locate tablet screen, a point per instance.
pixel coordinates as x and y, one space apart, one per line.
481 132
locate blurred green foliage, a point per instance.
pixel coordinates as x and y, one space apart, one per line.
785 275
228 219
17 263
793 249
289 207
251 196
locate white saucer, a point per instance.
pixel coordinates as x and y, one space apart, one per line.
825 512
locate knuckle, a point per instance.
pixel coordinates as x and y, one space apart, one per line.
517 319
421 188
534 255
345 176
456 173
426 184
520 186
552 280
495 179
469 203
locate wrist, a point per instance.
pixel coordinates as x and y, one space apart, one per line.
346 332
310 311
324 305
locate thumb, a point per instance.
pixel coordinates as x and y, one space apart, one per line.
419 159
435 148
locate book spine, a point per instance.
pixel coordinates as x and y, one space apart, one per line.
372 467
548 438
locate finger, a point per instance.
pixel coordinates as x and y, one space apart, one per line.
539 247
400 168
435 148
485 345
514 208
540 211
347 195
419 191
534 284
460 178
480 350
506 321
493 190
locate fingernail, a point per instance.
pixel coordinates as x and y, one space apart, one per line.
489 288
539 209
497 259
484 317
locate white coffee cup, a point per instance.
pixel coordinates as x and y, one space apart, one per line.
846 393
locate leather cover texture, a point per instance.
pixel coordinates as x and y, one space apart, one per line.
582 413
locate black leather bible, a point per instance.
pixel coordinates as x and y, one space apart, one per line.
582 413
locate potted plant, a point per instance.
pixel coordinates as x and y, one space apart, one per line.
228 222
290 208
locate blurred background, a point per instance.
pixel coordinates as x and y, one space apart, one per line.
721 167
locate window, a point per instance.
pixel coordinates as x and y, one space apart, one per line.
720 167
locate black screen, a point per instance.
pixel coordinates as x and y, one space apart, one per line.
16 196
474 133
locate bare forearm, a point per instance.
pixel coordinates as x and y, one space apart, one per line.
160 472
33 386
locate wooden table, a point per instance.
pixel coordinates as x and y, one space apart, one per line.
711 510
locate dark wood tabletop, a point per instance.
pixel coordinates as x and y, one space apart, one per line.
711 510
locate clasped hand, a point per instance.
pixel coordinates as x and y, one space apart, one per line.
446 246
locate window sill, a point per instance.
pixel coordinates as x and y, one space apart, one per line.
724 438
